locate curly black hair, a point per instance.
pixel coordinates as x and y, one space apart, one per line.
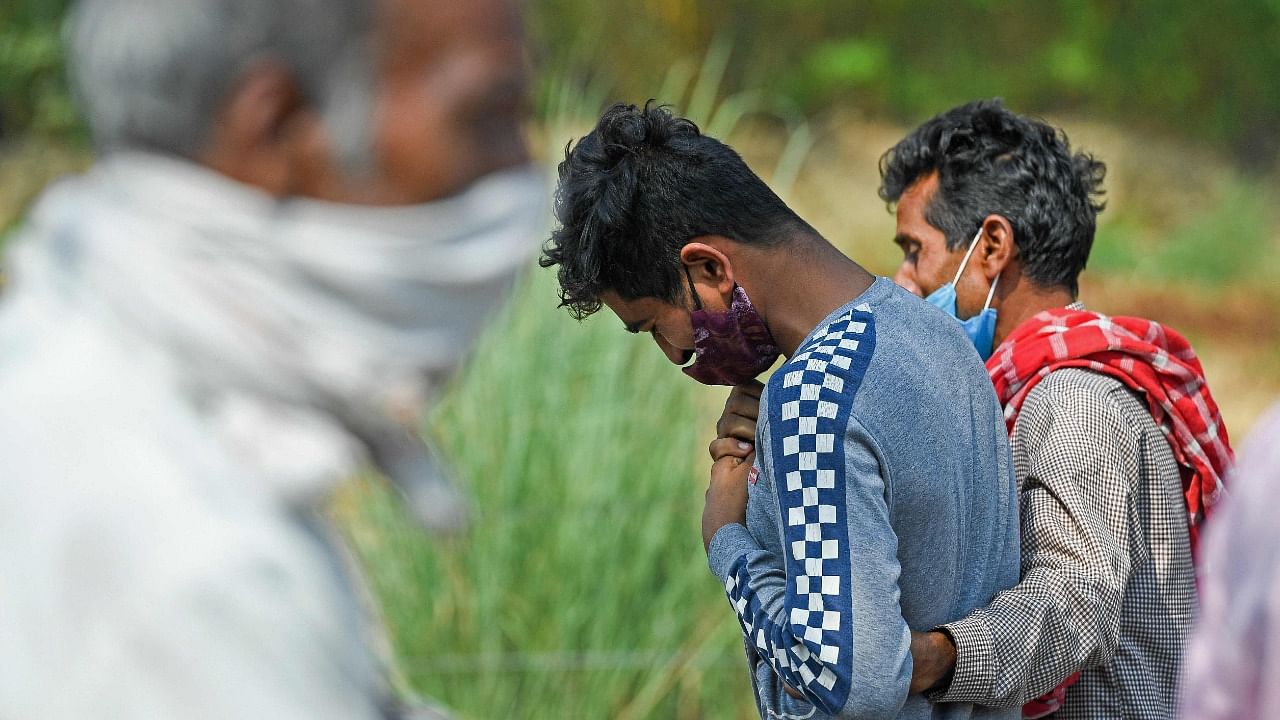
638 188
992 161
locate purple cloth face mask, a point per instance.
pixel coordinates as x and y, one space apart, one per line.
732 347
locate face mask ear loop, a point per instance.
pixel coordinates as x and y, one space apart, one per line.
965 261
992 293
697 301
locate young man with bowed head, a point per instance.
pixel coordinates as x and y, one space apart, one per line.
880 496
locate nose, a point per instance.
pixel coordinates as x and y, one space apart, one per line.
905 278
676 355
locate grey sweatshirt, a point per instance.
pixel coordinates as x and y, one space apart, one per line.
883 499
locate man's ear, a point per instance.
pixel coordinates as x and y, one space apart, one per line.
708 265
257 135
999 249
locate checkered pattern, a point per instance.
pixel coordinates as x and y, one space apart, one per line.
811 398
1144 355
1108 584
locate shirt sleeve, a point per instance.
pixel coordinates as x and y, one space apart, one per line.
824 624
1080 455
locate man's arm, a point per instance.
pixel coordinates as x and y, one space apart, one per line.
933 658
1081 456
804 613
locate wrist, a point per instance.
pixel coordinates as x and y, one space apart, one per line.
943 647
727 547
712 528
709 531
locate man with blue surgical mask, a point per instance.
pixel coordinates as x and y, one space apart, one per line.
980 328
299 216
1119 448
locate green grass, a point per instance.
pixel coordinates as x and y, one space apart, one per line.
581 588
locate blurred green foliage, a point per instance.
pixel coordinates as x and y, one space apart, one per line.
33 91
1205 70
1229 242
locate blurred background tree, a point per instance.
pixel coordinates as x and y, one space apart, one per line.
1206 71
33 90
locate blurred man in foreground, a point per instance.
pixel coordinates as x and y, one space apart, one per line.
1118 445
1232 670
300 213
882 496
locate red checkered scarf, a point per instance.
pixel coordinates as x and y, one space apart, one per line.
1147 357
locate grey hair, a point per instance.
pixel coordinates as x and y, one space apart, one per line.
153 74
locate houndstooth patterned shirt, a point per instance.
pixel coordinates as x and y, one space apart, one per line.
1107 582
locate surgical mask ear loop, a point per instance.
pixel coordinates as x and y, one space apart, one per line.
991 293
973 244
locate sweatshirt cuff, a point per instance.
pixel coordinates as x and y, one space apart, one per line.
730 542
975 672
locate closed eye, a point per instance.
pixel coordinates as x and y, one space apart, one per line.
638 327
910 248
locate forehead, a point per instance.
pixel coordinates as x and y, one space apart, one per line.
915 199
634 312
912 205
429 30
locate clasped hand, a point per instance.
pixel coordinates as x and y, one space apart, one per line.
732 454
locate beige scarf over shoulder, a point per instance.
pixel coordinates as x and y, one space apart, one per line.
311 332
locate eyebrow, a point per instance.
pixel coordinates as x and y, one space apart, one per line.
902 239
634 327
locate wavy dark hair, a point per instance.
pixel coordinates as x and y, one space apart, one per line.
992 161
638 188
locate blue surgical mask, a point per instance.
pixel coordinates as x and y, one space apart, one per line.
980 328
